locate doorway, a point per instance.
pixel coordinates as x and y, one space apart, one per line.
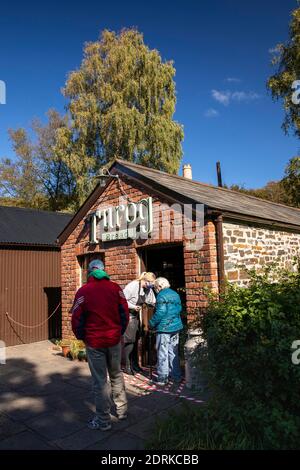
164 261
54 312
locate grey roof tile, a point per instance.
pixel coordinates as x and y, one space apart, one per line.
214 197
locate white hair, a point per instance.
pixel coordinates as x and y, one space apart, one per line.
161 283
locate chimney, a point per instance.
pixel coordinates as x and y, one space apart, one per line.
219 175
187 171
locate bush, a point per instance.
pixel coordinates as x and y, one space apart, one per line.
255 387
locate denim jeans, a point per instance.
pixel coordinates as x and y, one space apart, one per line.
167 346
101 361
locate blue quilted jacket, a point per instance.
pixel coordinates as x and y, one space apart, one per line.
166 318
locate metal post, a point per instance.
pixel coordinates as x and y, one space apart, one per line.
150 352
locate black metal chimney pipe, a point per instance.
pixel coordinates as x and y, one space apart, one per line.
220 184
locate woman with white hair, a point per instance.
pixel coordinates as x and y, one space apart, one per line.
167 323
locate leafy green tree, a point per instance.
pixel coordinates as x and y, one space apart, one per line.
273 191
18 177
121 103
285 84
37 177
287 62
56 178
291 181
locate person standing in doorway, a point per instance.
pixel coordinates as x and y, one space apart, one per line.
167 323
99 318
137 293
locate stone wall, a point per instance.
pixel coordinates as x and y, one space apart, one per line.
255 247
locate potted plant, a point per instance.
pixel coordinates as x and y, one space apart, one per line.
65 345
82 355
76 348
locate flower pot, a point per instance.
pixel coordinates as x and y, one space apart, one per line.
82 355
66 350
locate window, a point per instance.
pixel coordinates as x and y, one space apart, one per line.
84 261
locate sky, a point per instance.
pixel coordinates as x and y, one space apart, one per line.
221 52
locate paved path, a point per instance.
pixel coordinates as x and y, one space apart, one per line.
46 400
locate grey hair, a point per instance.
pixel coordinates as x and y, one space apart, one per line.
161 283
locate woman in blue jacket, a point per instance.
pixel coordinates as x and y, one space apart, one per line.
167 323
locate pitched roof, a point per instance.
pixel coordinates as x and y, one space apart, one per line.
232 204
31 227
214 197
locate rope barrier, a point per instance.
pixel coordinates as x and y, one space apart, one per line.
32 326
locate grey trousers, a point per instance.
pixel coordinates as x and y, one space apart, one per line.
100 362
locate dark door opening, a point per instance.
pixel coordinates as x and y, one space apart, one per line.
55 320
168 262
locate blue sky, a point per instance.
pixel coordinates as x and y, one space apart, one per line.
221 54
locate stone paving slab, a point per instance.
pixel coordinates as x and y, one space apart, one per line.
119 441
144 428
23 408
56 425
46 400
25 441
82 439
9 427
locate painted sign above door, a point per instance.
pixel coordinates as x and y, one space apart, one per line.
127 220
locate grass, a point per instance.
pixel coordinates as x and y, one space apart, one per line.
201 427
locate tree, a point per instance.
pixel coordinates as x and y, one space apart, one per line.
18 177
291 181
37 177
286 191
281 84
121 103
273 191
284 84
55 176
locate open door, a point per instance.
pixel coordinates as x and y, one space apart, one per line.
164 261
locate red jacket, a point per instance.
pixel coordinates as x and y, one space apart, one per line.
99 313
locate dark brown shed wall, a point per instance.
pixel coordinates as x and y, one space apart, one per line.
25 273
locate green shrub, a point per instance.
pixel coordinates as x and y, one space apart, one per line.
255 387
249 336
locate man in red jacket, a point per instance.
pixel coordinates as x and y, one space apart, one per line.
99 318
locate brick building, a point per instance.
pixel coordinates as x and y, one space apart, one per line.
220 231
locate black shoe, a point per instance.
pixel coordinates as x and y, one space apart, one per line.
128 371
136 368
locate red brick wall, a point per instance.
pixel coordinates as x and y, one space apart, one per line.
201 271
121 257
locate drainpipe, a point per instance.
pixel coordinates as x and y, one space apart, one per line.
220 252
